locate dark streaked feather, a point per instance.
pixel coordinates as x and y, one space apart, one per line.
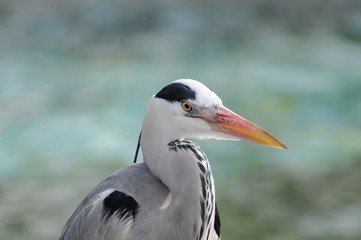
176 92
121 204
217 223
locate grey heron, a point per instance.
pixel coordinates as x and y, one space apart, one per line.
171 194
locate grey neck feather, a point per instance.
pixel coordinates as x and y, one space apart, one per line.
179 172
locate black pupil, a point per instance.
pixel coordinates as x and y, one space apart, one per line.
186 106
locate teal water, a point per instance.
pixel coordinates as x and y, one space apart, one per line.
71 111
93 103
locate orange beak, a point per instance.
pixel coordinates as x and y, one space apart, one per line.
226 121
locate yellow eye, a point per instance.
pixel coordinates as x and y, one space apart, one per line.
186 106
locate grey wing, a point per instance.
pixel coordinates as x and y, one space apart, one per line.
108 216
110 210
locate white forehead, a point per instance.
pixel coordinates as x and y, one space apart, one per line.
204 96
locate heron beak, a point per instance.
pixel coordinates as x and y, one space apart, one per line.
230 123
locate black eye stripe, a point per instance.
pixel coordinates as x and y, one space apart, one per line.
176 92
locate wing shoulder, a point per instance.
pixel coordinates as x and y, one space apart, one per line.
108 215
119 204
109 211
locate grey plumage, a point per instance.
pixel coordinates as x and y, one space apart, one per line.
88 221
171 195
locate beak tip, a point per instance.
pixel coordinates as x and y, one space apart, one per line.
280 145
284 147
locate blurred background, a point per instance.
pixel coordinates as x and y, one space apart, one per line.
76 78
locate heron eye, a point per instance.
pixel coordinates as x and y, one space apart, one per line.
186 106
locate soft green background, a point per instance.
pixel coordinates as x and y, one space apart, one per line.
76 76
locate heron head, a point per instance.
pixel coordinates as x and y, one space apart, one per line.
188 109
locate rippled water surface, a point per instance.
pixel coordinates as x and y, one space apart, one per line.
75 80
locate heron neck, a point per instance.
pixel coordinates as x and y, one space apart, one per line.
185 171
177 168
